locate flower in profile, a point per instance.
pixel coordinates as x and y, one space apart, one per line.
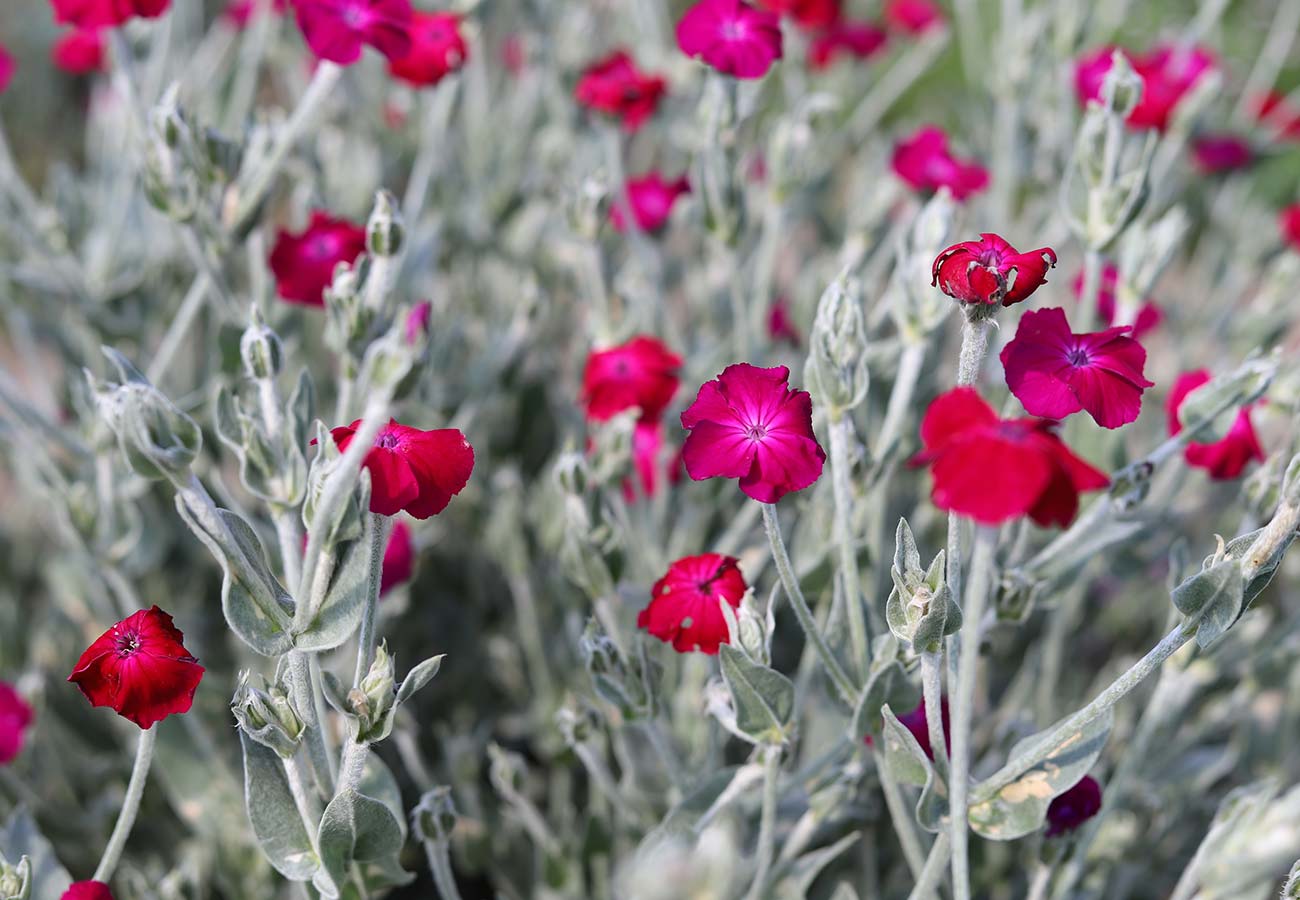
79 51
1068 811
1168 73
615 86
337 30
437 49
913 16
87 890
416 326
140 668
413 470
1148 316
919 726
924 162
652 201
859 40
399 559
7 67
1054 372
1226 458
780 324
993 470
105 13
647 450
1215 153
731 36
303 263
810 14
641 374
991 271
1289 222
240 12
685 605
15 717
749 424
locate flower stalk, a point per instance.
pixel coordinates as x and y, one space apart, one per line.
130 806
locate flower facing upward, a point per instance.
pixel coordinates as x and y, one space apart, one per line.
15 717
1214 153
140 668
1226 458
399 559
303 263
913 16
1054 372
79 52
809 14
437 49
105 13
652 201
87 890
615 86
991 271
860 40
1148 316
684 605
7 67
731 36
337 30
1168 75
413 470
1289 222
638 374
1077 805
993 470
924 162
749 424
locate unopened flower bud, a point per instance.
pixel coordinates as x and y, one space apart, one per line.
505 770
384 230
920 609
15 881
157 439
1121 90
260 349
375 697
267 715
388 361
347 521
836 370
434 818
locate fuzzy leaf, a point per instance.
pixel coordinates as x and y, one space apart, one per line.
345 599
908 762
276 822
418 677
886 684
804 870
356 828
1213 599
763 698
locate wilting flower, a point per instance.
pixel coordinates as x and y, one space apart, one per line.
105 13
15 716
7 67
336 30
1214 153
1168 73
805 13
240 12
615 86
140 668
652 201
924 162
780 323
413 470
913 16
303 263
993 469
731 36
87 890
1226 458
861 40
1148 317
684 605
79 52
437 49
990 271
749 424
1290 224
399 558
638 374
1054 372
1077 805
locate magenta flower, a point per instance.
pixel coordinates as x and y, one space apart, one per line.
1226 458
7 66
416 326
1148 317
780 324
437 49
303 263
79 51
105 13
1168 73
913 16
652 201
1077 805
924 162
399 558
614 85
990 271
731 36
1273 111
336 30
1289 222
860 40
15 717
747 423
1054 372
808 14
1214 153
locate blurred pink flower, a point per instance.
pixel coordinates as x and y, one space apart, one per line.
437 49
399 558
336 30
780 323
1278 115
87 890
991 270
614 85
79 52
924 162
417 321
652 201
15 717
303 263
1148 317
1168 73
240 12
7 67
1289 222
805 13
1226 458
640 374
105 13
860 40
731 36
913 16
1221 153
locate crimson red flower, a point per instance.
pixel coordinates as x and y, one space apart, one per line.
399 559
731 36
1226 458
1068 811
337 30
1290 224
924 162
7 66
413 470
1213 153
809 14
303 263
1054 372
140 668
15 717
913 16
652 201
437 49
638 374
79 52
614 85
88 890
240 12
990 271
993 470
105 13
860 40
1168 73
1148 317
684 605
749 424
780 324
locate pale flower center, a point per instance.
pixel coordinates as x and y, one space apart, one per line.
386 440
127 643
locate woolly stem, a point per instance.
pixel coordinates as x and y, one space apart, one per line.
901 817
767 821
380 528
850 579
927 883
130 806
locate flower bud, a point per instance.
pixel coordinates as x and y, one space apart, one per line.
157 439
434 818
1209 411
275 472
15 881
384 230
836 370
754 629
267 715
1121 90
621 683
506 770
260 349
920 609
373 700
580 556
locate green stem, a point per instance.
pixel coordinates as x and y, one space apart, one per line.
850 578
767 821
130 807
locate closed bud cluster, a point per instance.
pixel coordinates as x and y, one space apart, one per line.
624 684
157 439
182 160
267 714
575 724
434 818
373 700
1121 90
836 370
920 609
260 350
580 556
384 231
271 466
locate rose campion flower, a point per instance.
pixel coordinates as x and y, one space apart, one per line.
399 559
437 49
990 271
652 201
924 162
1226 458
913 16
7 67
240 12
810 14
615 86
859 40
685 605
993 470
647 445
416 327
641 373
1054 372
79 52
413 470
140 668
1214 153
303 263
87 890
15 717
731 36
1168 73
780 324
337 30
1148 317
1289 222
105 13
1068 811
749 424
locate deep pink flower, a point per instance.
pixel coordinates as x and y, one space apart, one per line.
7 67
1213 153
1226 458
780 324
860 40
647 449
15 716
79 52
437 49
1148 317
105 13
993 470
652 201
140 668
417 322
685 604
641 373
991 270
1054 372
749 424
1289 222
399 558
87 890
240 12
731 36
1068 811
913 16
413 470
1168 73
810 14
336 30
925 163
615 86
303 263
